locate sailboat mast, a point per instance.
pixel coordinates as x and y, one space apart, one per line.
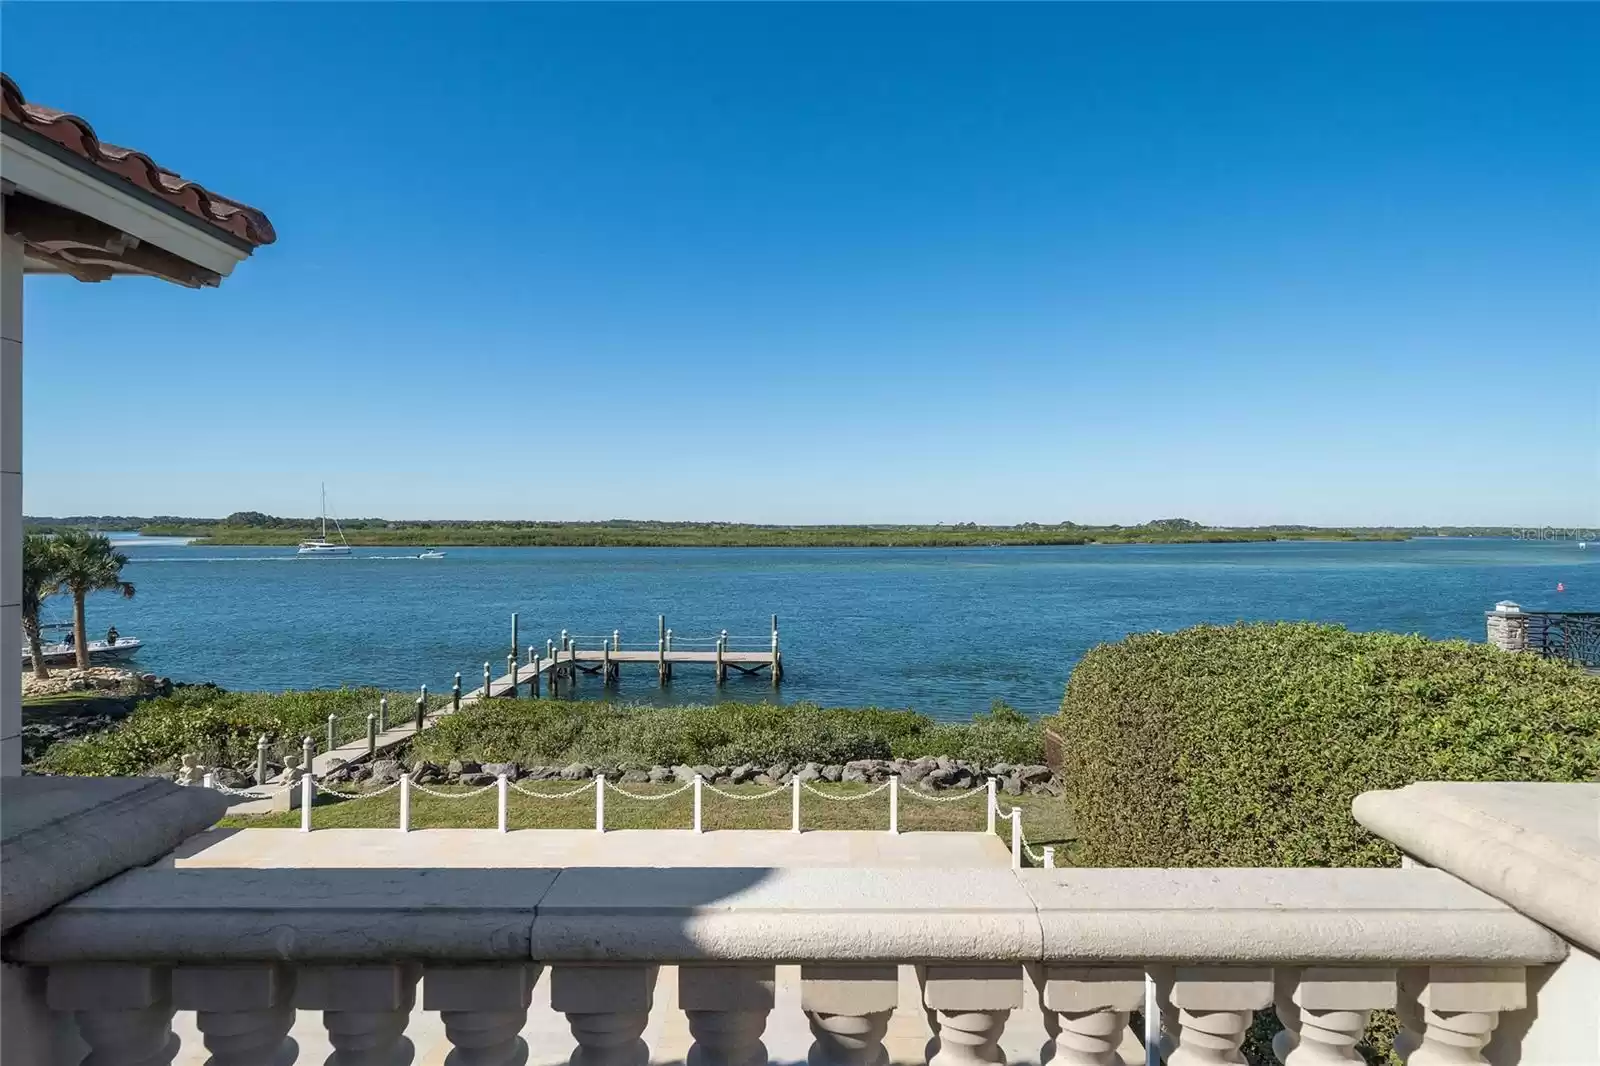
324 510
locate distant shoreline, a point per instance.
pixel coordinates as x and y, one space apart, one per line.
265 531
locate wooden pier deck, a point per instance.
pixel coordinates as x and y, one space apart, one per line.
565 658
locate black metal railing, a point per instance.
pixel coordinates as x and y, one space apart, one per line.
1573 636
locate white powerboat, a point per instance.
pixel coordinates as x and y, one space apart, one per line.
65 653
322 545
431 553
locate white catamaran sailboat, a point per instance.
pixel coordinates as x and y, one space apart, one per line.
322 545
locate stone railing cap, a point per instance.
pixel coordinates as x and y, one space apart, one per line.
786 914
1297 915
61 835
1534 846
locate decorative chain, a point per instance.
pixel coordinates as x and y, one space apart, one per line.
842 799
391 786
586 787
924 797
686 786
757 796
425 790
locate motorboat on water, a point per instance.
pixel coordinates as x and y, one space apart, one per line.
322 545
65 652
431 553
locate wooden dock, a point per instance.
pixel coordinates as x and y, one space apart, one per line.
565 657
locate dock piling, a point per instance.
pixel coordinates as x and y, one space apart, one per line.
514 646
372 736
533 661
422 707
332 720
455 694
487 679
383 713
511 673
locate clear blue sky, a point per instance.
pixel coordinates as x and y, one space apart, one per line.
1245 264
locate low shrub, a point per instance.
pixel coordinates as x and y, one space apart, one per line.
1244 745
553 732
221 727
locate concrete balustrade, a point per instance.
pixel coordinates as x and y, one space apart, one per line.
256 952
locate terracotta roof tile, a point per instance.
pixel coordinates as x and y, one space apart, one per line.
78 137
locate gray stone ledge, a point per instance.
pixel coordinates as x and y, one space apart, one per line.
194 914
176 913
62 835
1299 915
1534 846
785 915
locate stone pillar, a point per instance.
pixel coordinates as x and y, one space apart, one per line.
972 1003
1507 626
1086 1012
1324 1010
483 1008
727 1008
124 1013
1215 1007
364 1009
848 1007
1460 1007
608 1008
11 255
243 1012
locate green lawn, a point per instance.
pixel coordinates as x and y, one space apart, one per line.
1044 819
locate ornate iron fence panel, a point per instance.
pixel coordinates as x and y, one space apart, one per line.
1570 635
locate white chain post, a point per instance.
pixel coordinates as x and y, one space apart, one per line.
848 1007
405 802
894 803
608 1008
483 1008
794 805
1460 1007
1049 857
501 785
972 1004
124 1013
1086 1012
1016 838
364 1010
727 1008
697 787
244 1012
308 797
599 803
1215 1007
209 780
994 808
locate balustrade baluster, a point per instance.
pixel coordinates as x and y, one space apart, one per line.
1460 1008
1326 1010
973 1003
483 1008
727 1008
849 1008
608 1008
124 1013
364 1009
1086 1012
1215 1007
244 1013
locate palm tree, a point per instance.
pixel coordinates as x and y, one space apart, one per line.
41 576
88 564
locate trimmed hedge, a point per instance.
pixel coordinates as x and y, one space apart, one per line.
553 732
220 727
1244 745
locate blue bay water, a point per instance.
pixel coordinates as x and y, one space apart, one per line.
941 631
